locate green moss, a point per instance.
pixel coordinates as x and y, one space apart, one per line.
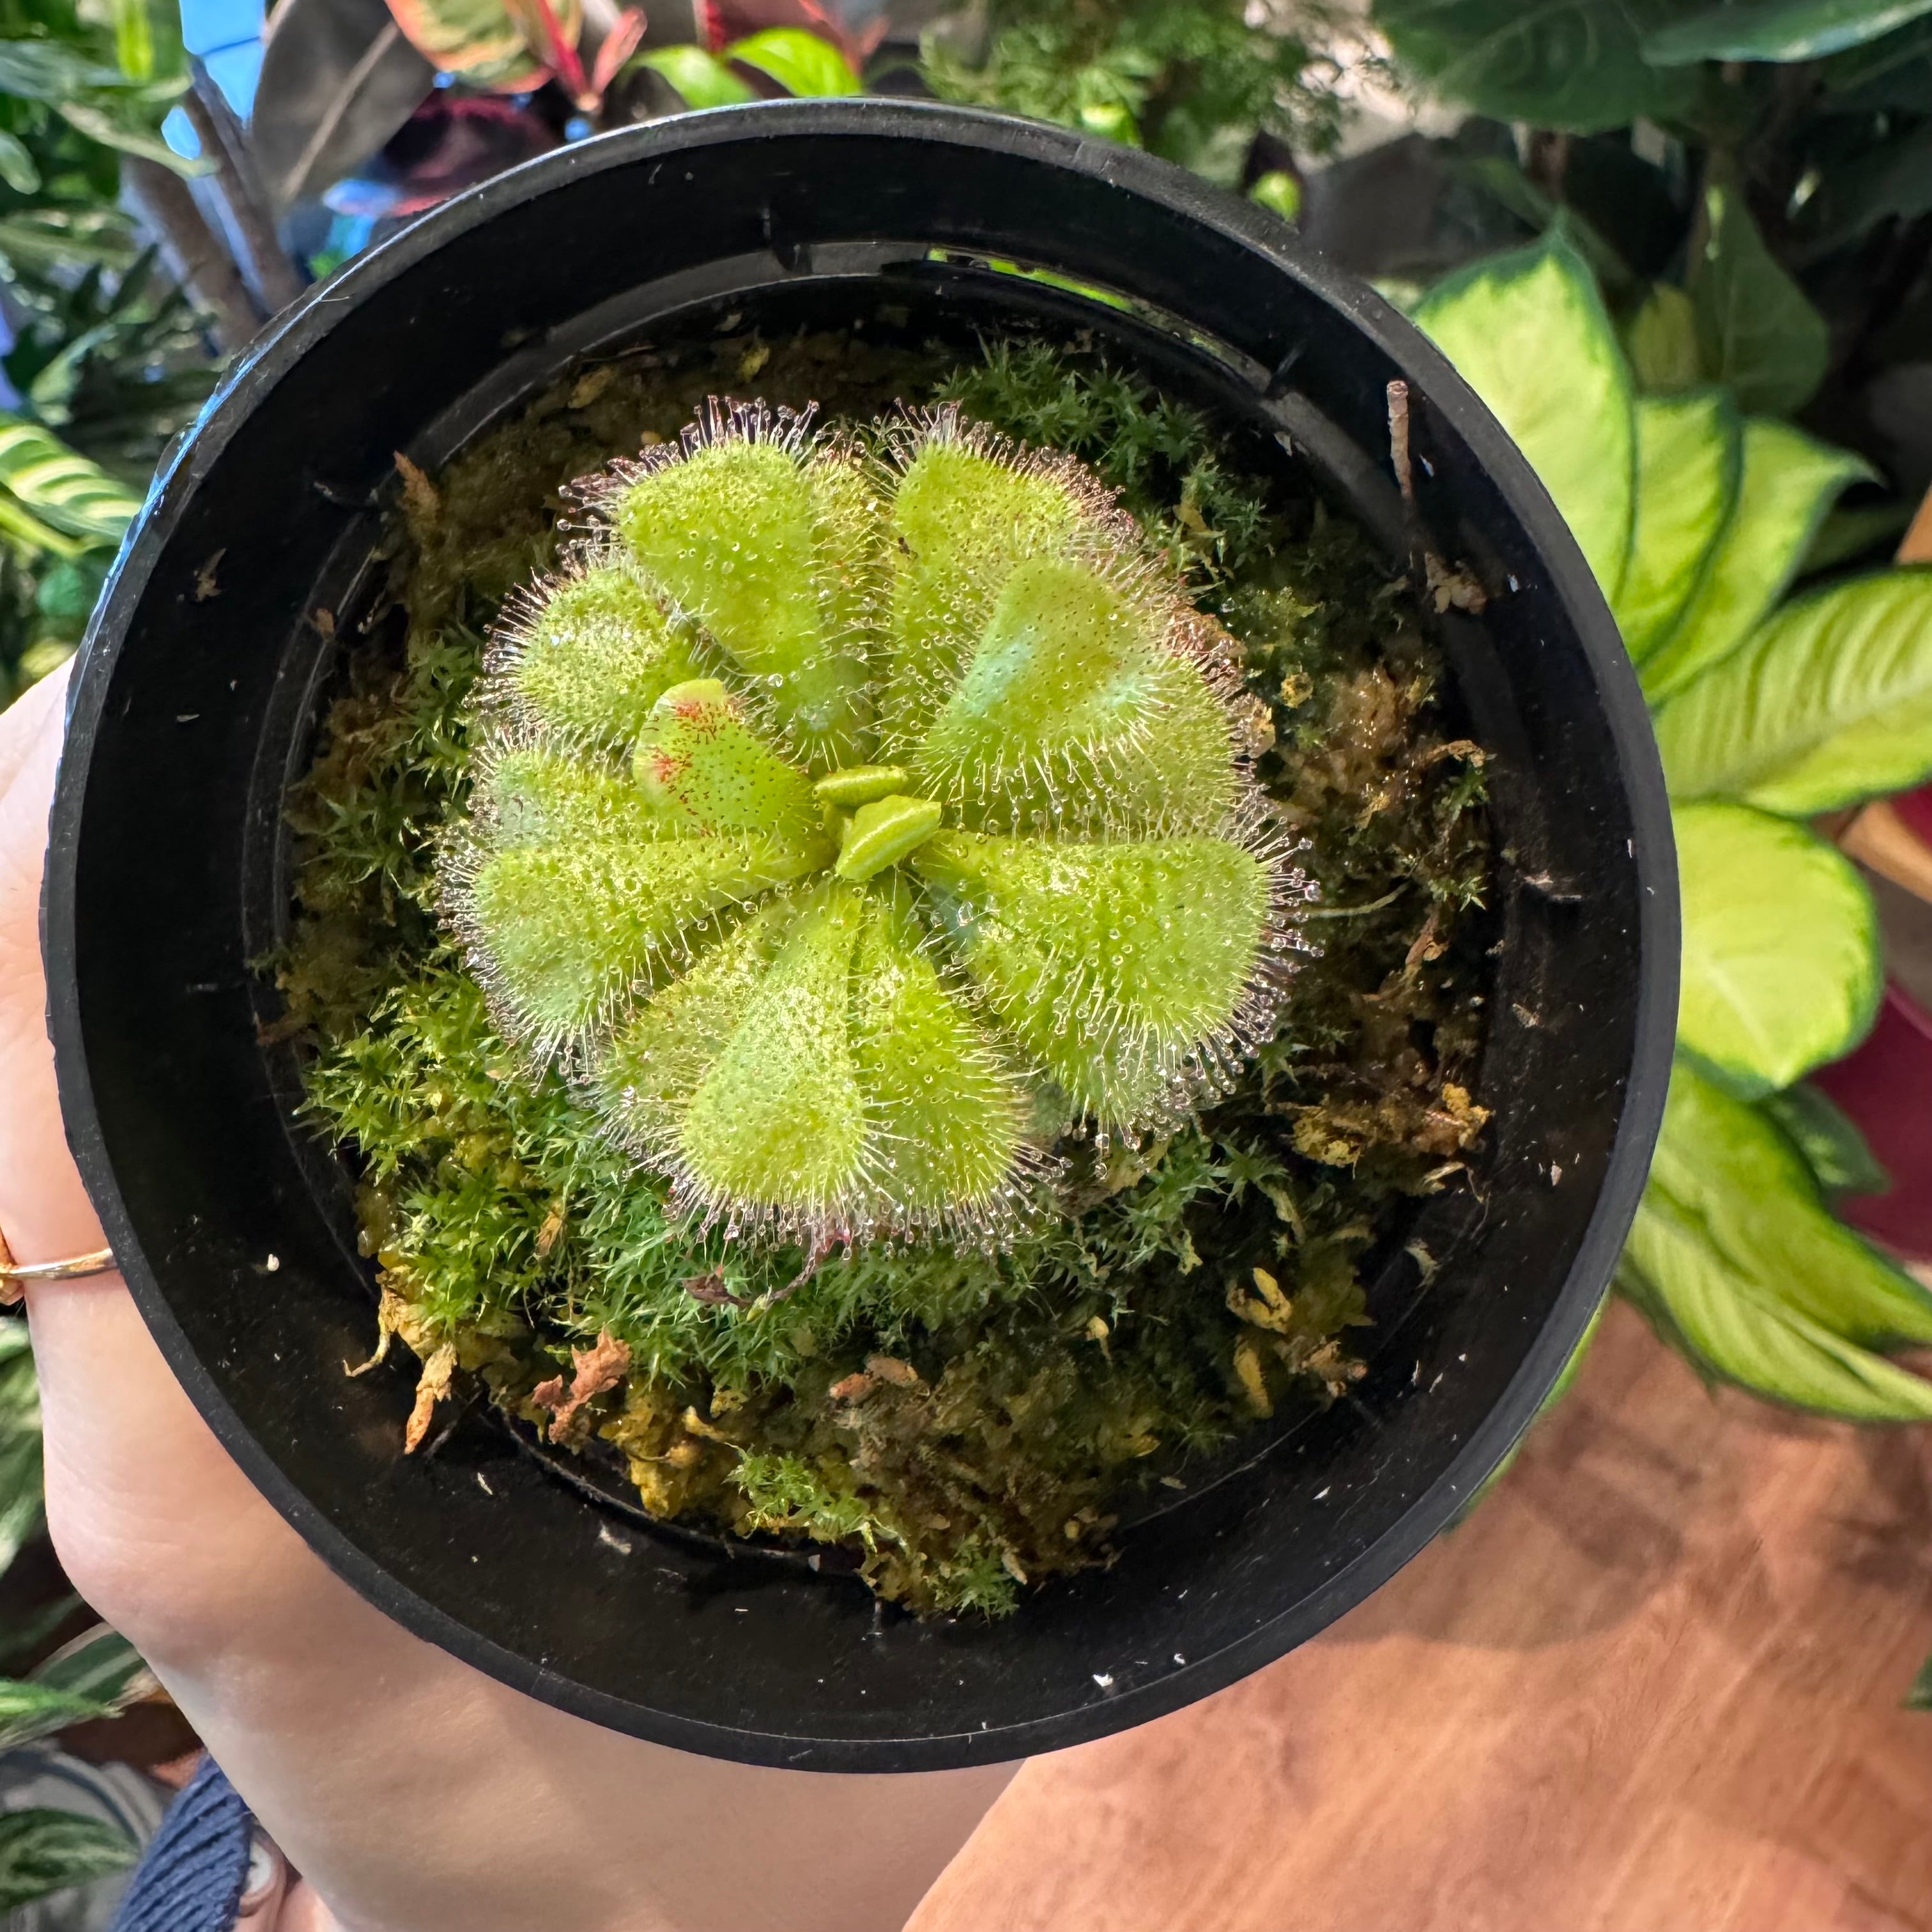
952 1421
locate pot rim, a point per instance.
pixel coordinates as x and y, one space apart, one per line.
1174 189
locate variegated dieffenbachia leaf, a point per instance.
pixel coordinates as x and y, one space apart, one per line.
1786 483
1689 457
1728 1167
1529 331
1782 969
1828 702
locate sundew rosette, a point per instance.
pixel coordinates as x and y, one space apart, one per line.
857 814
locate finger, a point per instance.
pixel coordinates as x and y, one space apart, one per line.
22 722
44 1211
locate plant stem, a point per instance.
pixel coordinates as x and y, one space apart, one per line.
264 266
165 207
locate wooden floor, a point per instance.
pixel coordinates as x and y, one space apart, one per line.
1651 1686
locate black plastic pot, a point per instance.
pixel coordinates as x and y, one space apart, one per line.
191 712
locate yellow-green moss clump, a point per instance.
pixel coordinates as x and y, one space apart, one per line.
951 1417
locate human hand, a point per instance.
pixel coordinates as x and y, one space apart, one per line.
414 1794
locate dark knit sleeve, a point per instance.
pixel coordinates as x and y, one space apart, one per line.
190 1878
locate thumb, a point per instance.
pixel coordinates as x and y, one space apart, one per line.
44 1211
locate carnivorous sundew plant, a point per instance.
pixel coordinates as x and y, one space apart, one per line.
857 813
891 976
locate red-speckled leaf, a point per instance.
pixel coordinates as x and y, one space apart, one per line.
479 40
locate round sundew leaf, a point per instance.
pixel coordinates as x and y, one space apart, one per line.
1688 456
777 1123
706 768
961 520
1782 970
946 1119
538 797
849 528
1065 665
596 654
567 929
1107 961
1073 715
659 1056
731 533
1177 776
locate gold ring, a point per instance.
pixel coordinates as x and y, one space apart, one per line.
14 1275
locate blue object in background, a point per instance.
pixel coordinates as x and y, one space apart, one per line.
227 36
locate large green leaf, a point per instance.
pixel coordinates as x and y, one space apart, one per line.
1756 329
51 71
61 501
1527 331
1733 1328
99 1664
22 1497
1573 64
21 1637
1782 970
43 1851
1839 1157
800 62
98 1675
127 132
1660 339
701 78
40 241
1777 30
18 169
1727 1165
1829 703
30 1710
1689 455
1859 68
1786 485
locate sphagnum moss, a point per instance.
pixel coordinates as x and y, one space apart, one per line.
952 1416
